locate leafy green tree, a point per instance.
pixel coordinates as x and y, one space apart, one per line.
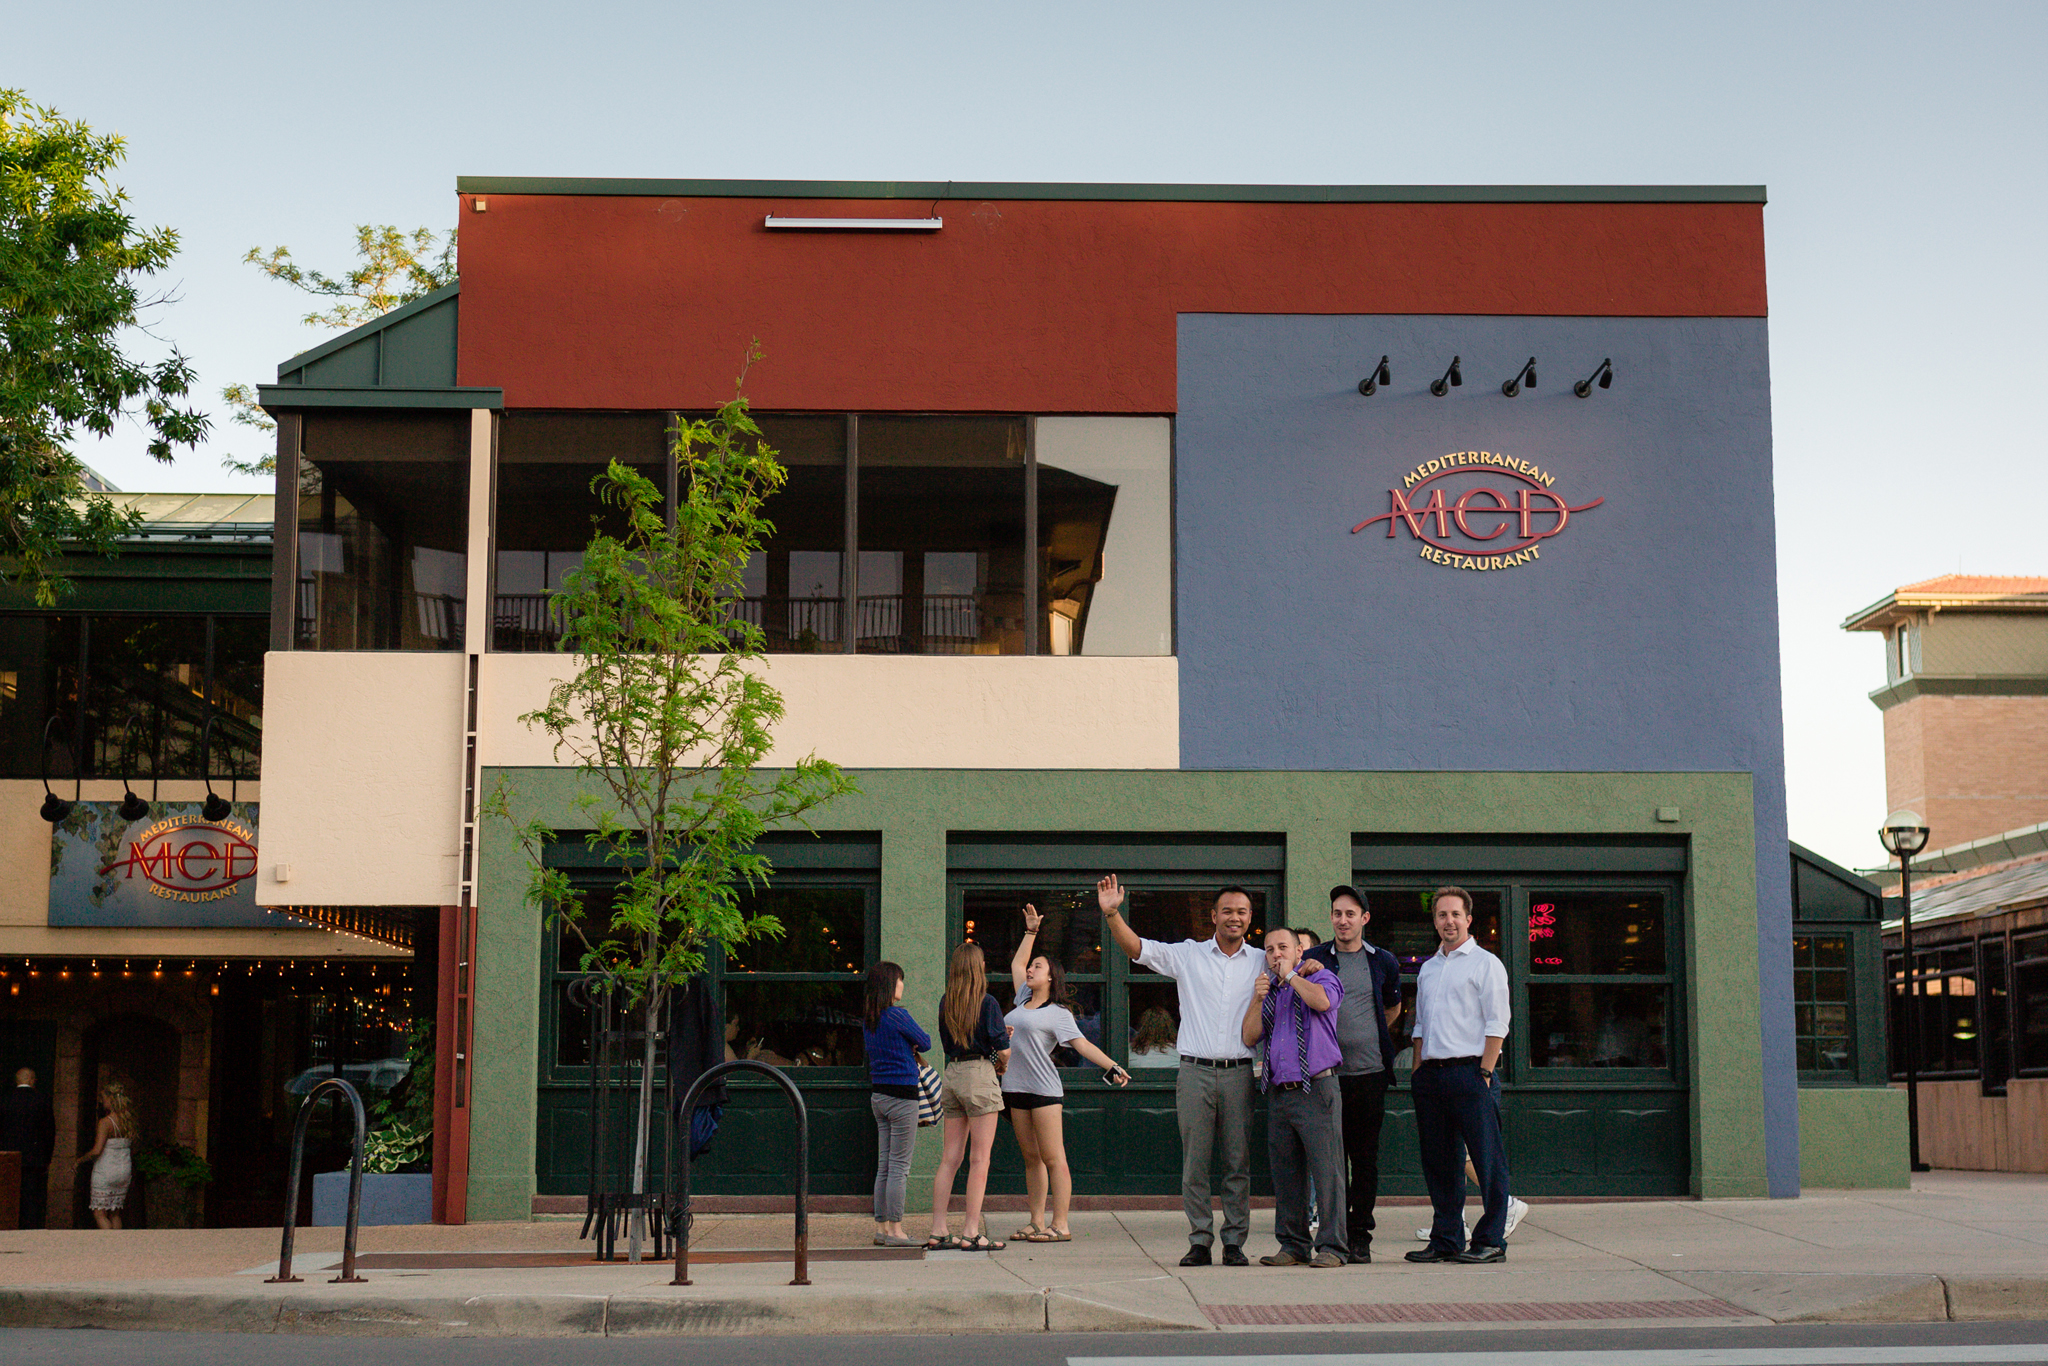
392 268
665 720
71 258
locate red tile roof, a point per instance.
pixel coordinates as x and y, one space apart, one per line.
1960 585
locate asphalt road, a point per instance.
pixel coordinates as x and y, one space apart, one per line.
1886 1345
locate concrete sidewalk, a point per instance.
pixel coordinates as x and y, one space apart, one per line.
1957 1246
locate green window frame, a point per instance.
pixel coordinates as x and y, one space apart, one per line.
848 866
1519 894
981 873
1865 1036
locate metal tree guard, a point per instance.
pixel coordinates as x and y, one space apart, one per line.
615 1070
803 1166
355 1186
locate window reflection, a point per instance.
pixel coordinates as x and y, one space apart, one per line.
1596 933
794 1024
1822 1022
1070 934
1105 536
1598 1025
383 527
942 515
824 929
795 584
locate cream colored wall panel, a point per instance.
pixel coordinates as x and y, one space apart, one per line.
911 711
362 778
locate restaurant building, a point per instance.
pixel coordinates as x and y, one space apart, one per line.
1278 536
131 944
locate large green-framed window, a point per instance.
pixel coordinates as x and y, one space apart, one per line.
1128 1140
1595 1068
792 1001
1593 979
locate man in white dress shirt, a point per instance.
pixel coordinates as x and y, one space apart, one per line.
1213 1086
1461 1021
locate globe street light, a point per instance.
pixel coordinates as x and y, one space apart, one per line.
1903 835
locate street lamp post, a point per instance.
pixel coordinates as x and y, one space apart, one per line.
1904 836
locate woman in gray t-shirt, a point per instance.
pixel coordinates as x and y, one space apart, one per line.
1032 1091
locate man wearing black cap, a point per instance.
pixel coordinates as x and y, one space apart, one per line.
1372 1001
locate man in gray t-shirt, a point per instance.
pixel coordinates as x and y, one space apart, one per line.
1372 1002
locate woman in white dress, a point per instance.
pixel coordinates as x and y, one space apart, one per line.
112 1155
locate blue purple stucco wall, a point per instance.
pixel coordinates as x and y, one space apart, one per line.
1644 638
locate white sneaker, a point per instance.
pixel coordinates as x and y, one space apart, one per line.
1516 1209
1422 1234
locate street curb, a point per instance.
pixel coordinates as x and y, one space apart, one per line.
777 1311
1837 1297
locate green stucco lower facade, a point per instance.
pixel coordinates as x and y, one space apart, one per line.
1314 822
1853 1138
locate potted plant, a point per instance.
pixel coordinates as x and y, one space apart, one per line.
174 1181
398 1182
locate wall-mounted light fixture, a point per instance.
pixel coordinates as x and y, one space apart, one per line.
1450 379
215 807
1605 374
132 807
1370 385
774 224
55 808
1526 374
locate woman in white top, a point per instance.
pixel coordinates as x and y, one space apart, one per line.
1032 1091
112 1158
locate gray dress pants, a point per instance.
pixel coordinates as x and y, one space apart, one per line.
1305 1144
1214 1106
895 1135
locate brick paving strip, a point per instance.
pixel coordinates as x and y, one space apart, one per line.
1284 1315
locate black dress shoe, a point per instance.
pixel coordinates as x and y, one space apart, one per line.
1198 1255
1432 1253
1233 1255
1361 1255
1478 1255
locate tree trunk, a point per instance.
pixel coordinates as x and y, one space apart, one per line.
637 1226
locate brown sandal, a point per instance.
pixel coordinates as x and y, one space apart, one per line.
1046 1235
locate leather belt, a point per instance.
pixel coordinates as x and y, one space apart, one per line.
1449 1062
1297 1085
1218 1063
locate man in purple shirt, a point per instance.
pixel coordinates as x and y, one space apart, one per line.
1291 1027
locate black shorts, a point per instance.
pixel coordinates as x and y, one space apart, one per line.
1025 1100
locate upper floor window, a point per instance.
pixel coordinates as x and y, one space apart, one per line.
165 672
895 533
383 531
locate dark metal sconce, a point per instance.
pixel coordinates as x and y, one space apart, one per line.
1604 373
1526 374
1451 378
55 808
1370 385
215 807
132 808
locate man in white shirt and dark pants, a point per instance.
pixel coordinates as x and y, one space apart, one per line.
1213 1088
1461 1021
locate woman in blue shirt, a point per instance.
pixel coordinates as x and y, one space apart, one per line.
893 1042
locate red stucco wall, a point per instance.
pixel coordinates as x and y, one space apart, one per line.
1033 306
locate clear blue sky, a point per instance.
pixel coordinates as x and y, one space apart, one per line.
1903 146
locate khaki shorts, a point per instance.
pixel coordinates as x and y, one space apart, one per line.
971 1089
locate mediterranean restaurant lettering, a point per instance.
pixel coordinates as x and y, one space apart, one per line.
1463 521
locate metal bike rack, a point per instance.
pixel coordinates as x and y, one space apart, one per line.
803 1166
355 1186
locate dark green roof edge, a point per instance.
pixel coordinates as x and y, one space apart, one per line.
1835 870
376 324
289 396
1239 194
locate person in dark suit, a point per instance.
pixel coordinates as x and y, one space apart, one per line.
28 1126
